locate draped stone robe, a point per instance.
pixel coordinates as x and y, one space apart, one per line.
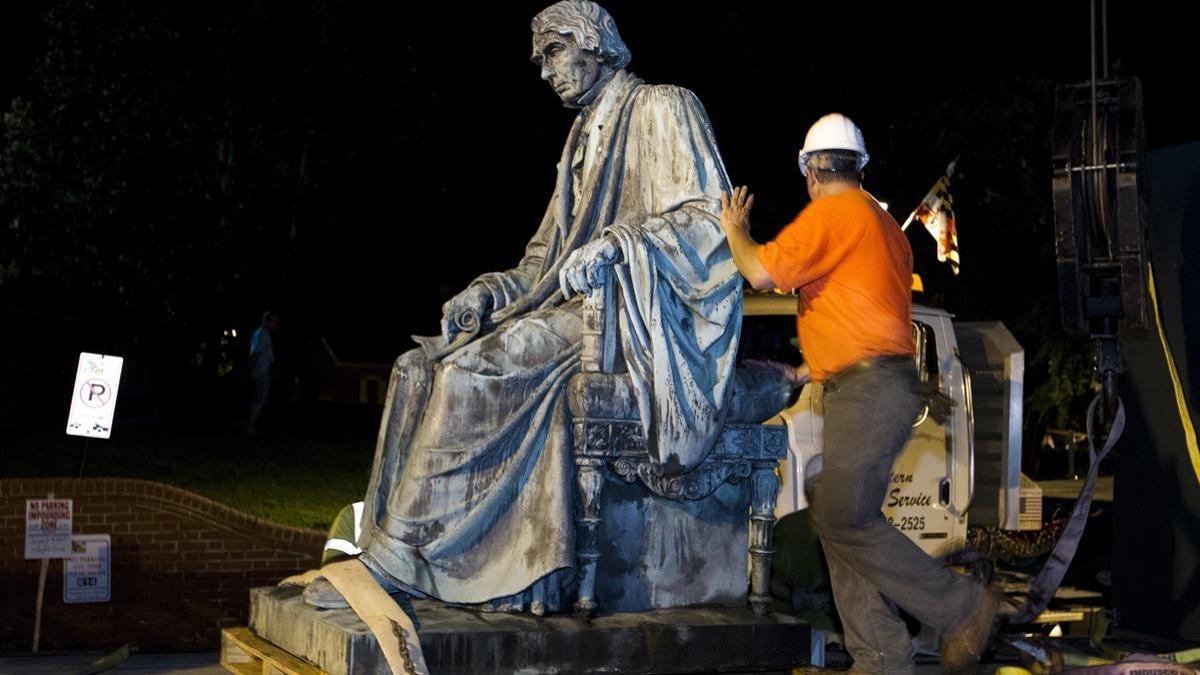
472 490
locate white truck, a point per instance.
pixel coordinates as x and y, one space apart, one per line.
965 467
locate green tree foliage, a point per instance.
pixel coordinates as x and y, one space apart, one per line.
156 180
162 150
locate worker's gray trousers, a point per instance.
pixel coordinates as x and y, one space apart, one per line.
872 566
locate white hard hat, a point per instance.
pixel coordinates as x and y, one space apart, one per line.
834 132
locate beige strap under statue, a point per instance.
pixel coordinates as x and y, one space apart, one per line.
393 629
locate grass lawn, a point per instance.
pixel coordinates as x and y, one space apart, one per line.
296 482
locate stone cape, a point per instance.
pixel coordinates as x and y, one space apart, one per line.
472 490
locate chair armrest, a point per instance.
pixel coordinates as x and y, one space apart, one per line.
599 335
602 396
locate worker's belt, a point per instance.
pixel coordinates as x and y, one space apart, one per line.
868 364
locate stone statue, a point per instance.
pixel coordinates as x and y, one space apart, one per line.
472 490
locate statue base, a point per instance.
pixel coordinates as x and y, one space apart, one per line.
694 640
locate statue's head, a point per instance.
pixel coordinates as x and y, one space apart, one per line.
577 46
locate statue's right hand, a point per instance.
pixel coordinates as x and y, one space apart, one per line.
475 301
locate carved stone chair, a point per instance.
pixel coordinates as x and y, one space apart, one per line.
610 449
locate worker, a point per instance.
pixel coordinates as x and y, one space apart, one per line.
261 364
342 541
342 544
852 268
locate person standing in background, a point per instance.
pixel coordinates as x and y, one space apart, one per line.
261 365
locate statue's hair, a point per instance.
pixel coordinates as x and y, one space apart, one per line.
591 26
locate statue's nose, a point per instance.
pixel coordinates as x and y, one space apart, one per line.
547 73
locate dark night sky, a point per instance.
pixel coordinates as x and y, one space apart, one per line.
467 167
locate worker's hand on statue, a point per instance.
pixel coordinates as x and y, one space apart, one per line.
587 267
735 209
796 376
802 376
475 301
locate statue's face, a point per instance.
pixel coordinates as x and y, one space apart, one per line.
571 71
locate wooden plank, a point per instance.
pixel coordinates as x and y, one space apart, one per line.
235 659
1067 488
243 653
254 668
1060 616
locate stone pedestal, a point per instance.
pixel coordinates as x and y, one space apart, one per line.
456 641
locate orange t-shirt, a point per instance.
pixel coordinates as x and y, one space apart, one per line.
853 268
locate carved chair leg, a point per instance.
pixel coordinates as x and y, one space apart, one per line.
764 489
590 479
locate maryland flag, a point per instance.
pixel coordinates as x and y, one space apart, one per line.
936 213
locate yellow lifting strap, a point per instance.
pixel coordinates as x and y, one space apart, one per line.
1181 403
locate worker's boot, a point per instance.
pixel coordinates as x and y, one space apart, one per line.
963 646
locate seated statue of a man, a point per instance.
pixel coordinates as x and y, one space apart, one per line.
472 490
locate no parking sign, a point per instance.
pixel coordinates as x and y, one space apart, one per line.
86 573
94 398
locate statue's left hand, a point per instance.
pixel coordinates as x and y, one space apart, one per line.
584 269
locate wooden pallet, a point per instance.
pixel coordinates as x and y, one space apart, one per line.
244 653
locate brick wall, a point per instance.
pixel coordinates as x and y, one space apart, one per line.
182 566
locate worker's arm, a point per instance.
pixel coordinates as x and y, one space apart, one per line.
797 376
735 219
